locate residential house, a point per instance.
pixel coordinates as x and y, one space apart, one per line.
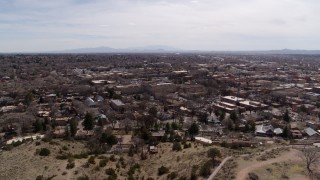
310 132
264 130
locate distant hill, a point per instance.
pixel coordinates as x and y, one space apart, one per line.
282 51
155 48
169 49
290 51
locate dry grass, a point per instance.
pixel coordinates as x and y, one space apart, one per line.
281 170
180 162
22 162
227 172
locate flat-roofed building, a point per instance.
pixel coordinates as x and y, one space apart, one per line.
117 104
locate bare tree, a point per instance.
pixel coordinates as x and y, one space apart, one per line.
311 157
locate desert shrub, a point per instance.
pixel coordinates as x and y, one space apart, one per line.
172 175
176 146
131 151
224 144
178 158
183 178
91 160
38 143
65 148
112 158
97 168
64 173
213 153
46 139
40 177
53 143
103 162
44 152
193 175
102 157
186 145
162 170
62 157
70 164
84 177
150 178
8 147
133 169
112 173
205 169
17 143
253 176
114 177
284 176
82 155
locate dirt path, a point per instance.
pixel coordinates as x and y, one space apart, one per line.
243 173
215 172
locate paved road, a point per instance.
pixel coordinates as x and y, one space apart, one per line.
215 172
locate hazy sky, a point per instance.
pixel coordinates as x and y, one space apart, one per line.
41 25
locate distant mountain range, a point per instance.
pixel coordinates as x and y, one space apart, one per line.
145 49
168 49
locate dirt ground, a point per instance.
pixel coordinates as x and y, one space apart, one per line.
288 162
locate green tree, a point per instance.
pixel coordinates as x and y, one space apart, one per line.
131 151
67 132
205 169
73 127
181 121
109 139
252 125
110 93
168 128
286 116
44 152
234 116
193 130
28 98
246 127
193 175
176 146
217 112
174 126
164 138
153 111
213 153
222 116
203 117
162 170
303 108
37 126
318 104
286 132
88 122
